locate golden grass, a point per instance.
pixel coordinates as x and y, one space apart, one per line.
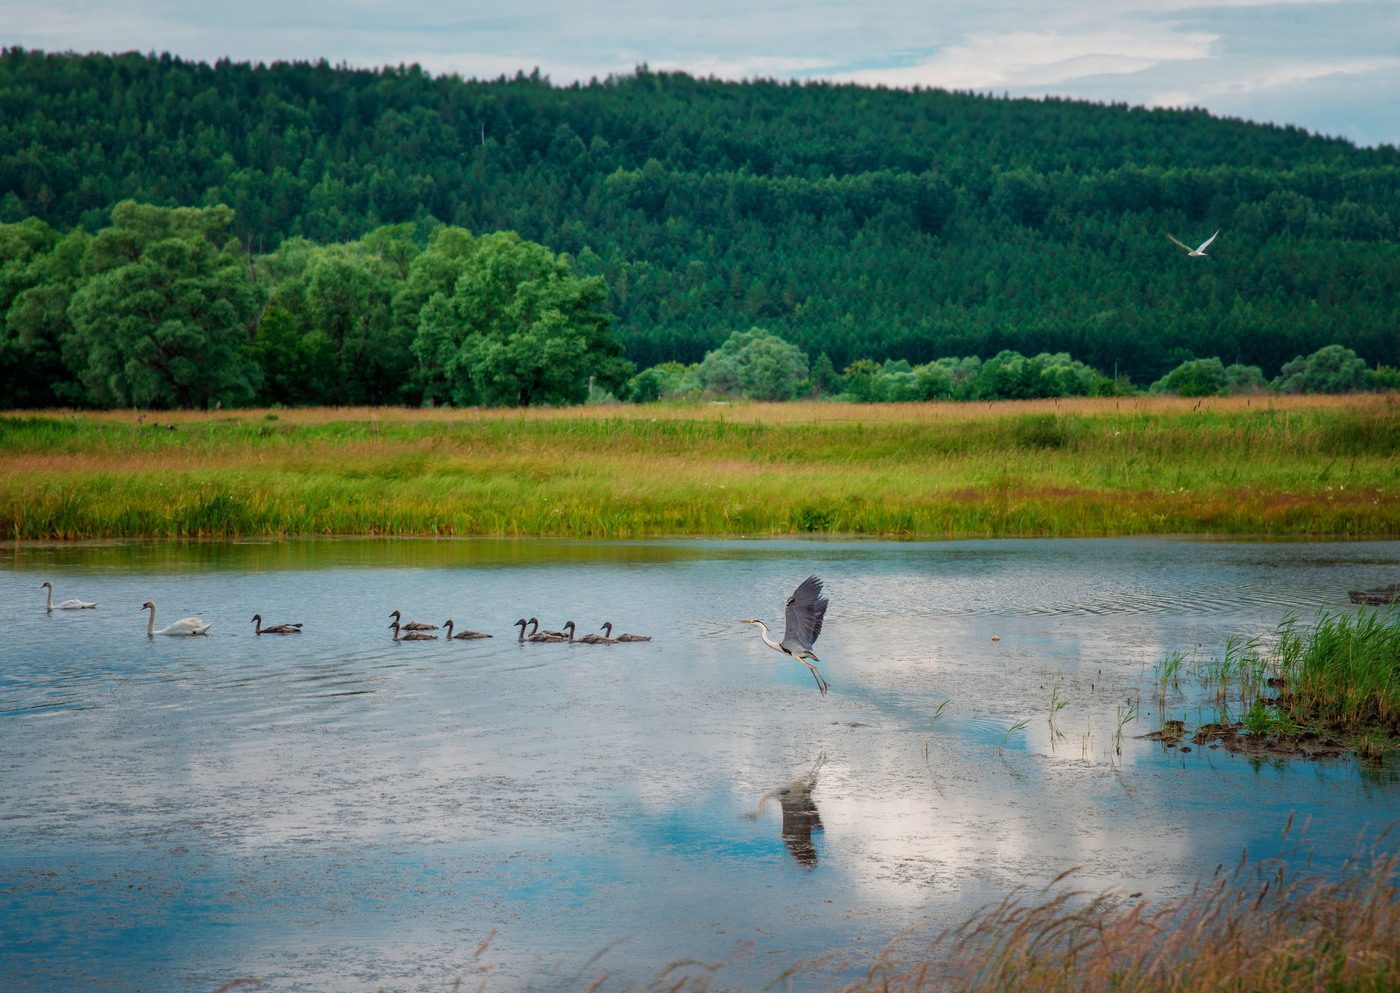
746 411
1264 466
1260 929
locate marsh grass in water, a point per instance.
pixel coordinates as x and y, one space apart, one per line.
1338 675
1343 669
1092 467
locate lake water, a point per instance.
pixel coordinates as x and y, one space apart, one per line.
334 811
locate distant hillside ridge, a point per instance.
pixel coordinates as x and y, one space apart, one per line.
857 222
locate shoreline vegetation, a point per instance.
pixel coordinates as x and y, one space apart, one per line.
1264 466
1312 691
1264 926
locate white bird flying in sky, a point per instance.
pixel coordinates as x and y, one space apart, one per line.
1194 251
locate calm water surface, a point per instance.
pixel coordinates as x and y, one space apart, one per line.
333 811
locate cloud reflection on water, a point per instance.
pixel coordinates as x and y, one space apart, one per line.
342 810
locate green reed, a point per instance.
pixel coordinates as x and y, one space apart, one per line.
1340 672
1344 668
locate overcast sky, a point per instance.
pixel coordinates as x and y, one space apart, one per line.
1331 67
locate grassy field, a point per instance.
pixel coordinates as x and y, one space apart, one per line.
1317 466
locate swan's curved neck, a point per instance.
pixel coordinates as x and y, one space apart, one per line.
151 622
607 629
522 625
448 625
50 589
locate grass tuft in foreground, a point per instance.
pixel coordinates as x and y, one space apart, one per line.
1259 929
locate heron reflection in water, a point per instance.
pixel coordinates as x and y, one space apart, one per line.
800 815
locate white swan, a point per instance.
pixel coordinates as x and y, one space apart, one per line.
66 604
188 625
1201 250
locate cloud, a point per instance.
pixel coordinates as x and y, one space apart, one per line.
1030 59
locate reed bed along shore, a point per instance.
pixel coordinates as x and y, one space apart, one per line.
1333 676
1314 466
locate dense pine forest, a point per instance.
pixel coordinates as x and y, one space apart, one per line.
855 223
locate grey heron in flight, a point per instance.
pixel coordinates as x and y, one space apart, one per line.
805 610
1199 250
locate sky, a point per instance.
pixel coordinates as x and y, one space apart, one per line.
1331 66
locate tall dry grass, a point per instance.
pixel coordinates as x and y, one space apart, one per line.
798 412
1259 929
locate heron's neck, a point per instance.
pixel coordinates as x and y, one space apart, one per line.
763 630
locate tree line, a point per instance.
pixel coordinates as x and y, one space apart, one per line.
163 308
759 365
856 222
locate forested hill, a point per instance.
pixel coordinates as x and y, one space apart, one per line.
864 223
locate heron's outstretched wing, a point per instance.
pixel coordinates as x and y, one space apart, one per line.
805 610
1175 242
1208 241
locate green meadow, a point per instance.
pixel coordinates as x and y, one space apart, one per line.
1237 466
